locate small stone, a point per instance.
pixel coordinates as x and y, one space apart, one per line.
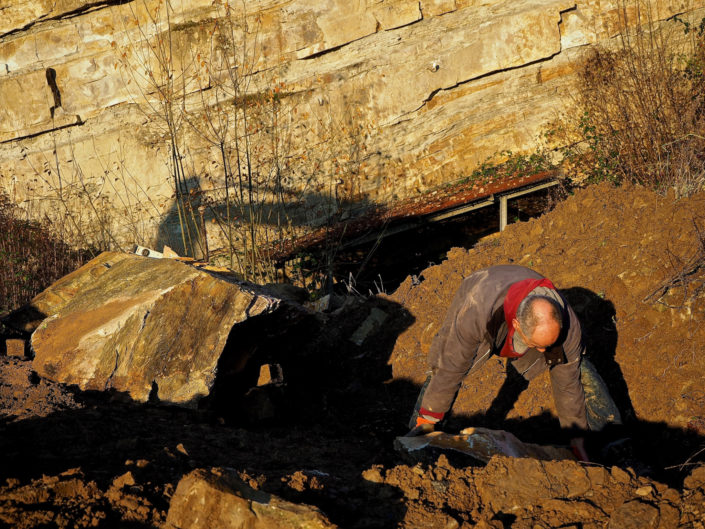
141 463
669 516
265 375
634 515
644 491
270 374
418 470
489 524
373 474
126 480
696 479
671 495
451 523
15 347
620 475
597 475
181 448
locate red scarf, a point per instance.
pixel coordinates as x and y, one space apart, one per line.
517 292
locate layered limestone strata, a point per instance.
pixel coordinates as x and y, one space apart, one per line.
375 100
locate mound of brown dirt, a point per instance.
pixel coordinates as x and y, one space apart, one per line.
24 395
630 263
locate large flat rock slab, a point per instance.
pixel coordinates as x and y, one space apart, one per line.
151 328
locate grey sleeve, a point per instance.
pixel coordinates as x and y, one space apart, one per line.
568 392
453 352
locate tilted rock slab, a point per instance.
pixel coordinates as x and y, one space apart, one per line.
145 327
218 498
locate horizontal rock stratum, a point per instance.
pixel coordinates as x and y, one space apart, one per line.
149 328
379 99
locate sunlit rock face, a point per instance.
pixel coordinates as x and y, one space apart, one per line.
218 498
146 328
111 110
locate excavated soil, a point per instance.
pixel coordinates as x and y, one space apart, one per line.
629 261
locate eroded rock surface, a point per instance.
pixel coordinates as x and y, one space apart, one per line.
218 498
146 327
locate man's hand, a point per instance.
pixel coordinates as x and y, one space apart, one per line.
420 429
577 445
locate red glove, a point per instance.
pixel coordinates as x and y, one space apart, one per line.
428 417
425 422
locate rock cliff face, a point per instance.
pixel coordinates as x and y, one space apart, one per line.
108 107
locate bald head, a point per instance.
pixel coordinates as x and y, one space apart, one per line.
539 320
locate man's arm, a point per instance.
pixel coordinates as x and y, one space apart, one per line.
453 352
568 392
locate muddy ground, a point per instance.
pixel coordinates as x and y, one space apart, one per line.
629 261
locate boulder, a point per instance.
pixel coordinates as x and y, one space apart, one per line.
218 498
150 328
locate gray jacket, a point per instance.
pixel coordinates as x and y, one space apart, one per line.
466 339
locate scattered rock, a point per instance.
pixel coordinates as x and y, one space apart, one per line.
16 347
372 322
218 498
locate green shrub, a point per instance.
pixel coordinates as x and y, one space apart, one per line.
507 165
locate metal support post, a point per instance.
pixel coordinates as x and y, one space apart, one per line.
502 213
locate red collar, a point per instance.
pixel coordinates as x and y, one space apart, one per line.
516 293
